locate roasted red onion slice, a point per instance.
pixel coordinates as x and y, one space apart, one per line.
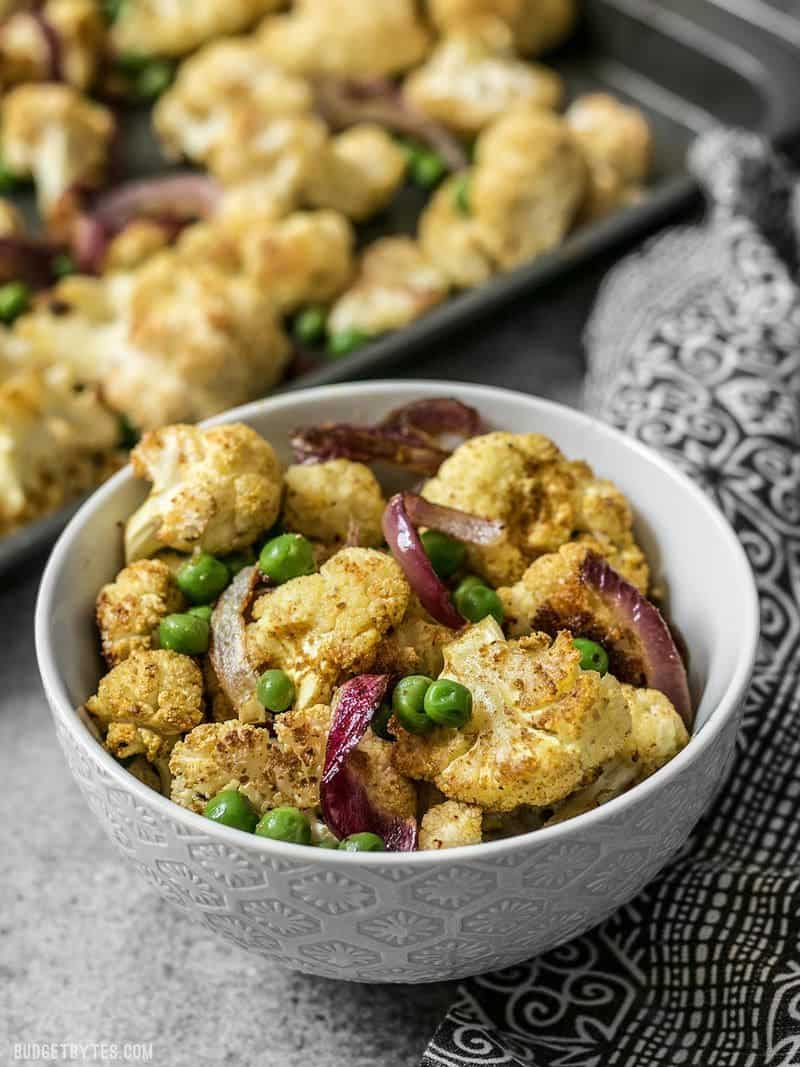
27 260
344 103
434 417
227 649
473 529
366 444
663 667
346 804
406 547
172 202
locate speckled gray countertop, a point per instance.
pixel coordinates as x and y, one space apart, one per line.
89 954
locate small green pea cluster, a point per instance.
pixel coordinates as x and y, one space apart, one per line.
419 703
149 76
426 167
472 597
201 579
310 327
232 808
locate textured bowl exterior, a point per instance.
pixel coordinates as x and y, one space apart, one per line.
387 918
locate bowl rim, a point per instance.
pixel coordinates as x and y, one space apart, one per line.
728 705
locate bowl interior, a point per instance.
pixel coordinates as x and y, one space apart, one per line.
691 548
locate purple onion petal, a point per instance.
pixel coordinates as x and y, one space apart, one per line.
406 547
433 417
664 669
366 444
177 197
473 529
346 804
227 649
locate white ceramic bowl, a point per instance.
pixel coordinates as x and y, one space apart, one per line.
424 916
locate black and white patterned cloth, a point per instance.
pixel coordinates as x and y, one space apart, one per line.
694 348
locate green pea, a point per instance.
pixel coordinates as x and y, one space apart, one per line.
448 703
380 723
408 700
475 601
112 9
202 611
132 62
427 169
128 434
275 690
593 656
286 557
461 191
327 840
309 325
63 265
285 824
153 79
445 553
232 808
237 561
202 578
184 633
365 842
342 344
9 181
14 298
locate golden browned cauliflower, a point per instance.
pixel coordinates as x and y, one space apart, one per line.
473 77
174 340
132 246
175 27
331 502
348 39
414 646
657 736
395 285
241 116
55 441
450 825
25 54
527 185
59 138
618 146
359 172
324 626
304 258
269 771
130 608
212 490
145 703
537 25
543 499
552 595
451 236
387 787
540 726
11 220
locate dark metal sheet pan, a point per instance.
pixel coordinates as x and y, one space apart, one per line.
689 64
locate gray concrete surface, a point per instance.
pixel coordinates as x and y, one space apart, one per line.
89 954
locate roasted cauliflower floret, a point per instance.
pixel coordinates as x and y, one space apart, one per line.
543 499
270 771
451 237
348 39
241 116
657 736
618 146
130 608
450 825
325 626
55 441
387 787
334 501
213 490
137 242
170 28
145 703
473 78
305 258
59 138
540 726
414 646
26 53
537 25
395 285
527 185
359 172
